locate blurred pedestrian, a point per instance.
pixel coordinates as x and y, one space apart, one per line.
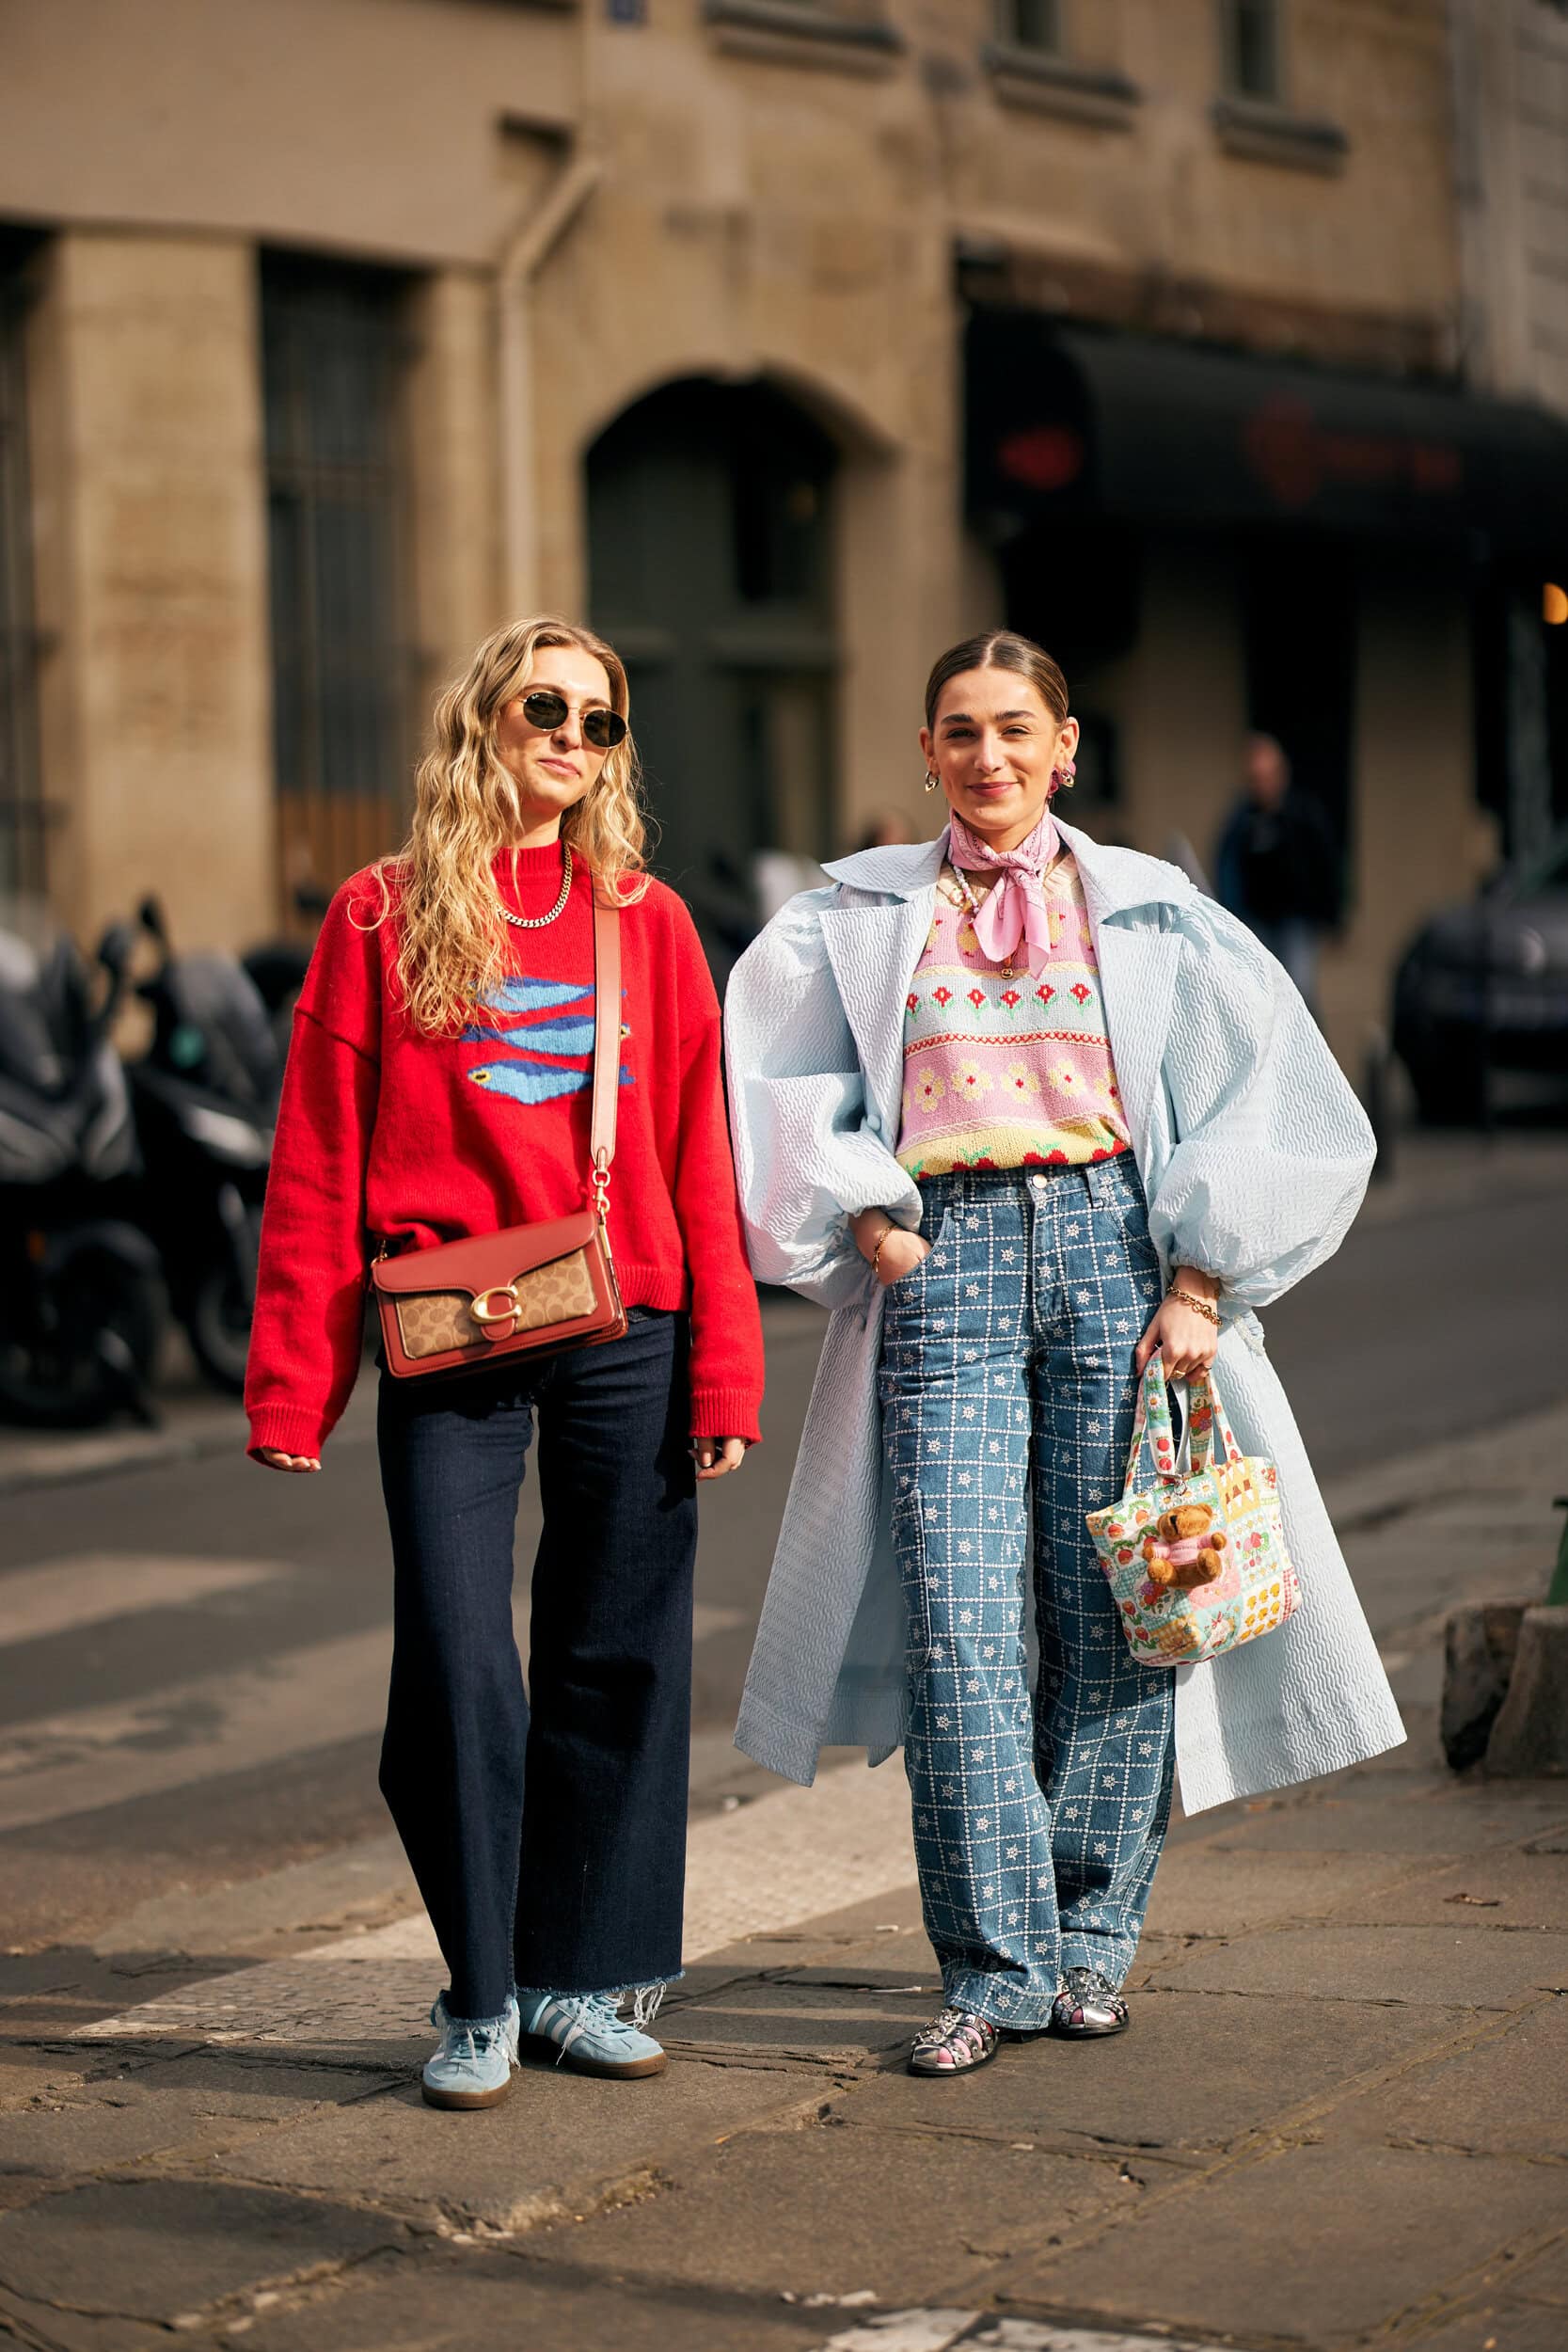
1278 864
439 1087
887 830
995 1235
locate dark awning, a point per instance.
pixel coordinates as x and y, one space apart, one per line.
1071 421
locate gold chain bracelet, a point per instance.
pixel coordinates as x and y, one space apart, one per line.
1200 1306
875 1254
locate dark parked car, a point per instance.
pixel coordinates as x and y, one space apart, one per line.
1485 987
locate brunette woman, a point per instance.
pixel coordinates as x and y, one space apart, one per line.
1023 1110
438 1087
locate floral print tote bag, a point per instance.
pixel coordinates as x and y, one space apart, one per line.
1195 1558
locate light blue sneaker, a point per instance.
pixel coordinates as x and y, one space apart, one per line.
590 2034
471 2066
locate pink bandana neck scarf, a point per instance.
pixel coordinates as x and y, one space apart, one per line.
1013 925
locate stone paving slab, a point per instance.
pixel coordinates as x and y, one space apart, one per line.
30 2325
191 2106
1462 1819
161 2247
1441 1965
557 2145
1528 1891
1543 2278
884 1932
1209 1890
826 2210
408 2302
27 2073
1499 2328
1195 2072
815 2021
1505 2095
1333 2240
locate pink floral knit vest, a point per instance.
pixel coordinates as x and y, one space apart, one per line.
1008 1070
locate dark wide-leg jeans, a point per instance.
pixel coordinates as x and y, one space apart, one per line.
547 1833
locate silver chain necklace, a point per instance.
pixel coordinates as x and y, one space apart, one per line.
537 922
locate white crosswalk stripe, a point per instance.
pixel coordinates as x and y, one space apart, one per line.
89 1587
288 1703
190 1731
791 1856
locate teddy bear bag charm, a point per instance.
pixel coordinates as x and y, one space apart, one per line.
1196 1559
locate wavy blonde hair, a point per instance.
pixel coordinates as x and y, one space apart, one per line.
452 938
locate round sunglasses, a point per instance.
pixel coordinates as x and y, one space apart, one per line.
546 708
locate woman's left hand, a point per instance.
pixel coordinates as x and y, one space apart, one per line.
716 1457
1187 1340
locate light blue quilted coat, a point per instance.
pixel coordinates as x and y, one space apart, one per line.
1254 1154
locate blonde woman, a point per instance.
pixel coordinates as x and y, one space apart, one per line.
438 1088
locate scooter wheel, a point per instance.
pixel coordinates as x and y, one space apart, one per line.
217 1323
100 1354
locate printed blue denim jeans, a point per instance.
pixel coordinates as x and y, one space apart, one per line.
1007 1396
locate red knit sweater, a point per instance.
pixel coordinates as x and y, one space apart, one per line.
384 1131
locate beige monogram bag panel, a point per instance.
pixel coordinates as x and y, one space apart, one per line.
433 1321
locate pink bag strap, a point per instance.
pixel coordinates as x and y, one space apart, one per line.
606 1030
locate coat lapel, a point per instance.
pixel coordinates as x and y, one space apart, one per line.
1137 977
1138 959
873 949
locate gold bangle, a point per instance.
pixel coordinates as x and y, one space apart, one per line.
882 1237
1200 1306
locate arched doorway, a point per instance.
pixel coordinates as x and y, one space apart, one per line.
710 562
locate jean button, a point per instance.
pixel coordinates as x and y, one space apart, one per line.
1038 1183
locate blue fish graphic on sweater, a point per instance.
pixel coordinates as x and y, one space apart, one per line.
535 1068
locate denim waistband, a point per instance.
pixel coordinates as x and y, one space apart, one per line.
1102 1180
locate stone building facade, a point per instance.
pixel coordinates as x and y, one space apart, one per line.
1511 117
786 339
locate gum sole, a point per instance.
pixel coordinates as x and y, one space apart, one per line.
544 2052
461 2101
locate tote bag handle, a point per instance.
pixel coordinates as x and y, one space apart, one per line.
1205 1416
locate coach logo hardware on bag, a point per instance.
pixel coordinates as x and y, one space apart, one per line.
481 1310
532 1287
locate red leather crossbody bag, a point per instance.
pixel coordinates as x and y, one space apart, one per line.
462 1305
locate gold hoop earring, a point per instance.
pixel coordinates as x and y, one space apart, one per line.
931 781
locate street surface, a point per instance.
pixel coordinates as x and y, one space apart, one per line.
1351 2029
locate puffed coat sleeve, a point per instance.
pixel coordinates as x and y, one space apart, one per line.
1272 1150
805 1159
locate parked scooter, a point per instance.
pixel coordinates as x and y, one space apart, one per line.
206 1098
278 965
82 1304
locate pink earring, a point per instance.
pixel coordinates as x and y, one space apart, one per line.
1061 778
